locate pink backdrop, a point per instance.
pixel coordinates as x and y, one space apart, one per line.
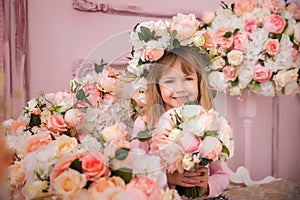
60 35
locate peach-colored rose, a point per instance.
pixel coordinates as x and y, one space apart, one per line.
68 183
106 188
109 80
250 24
275 6
274 24
189 142
208 43
261 74
38 140
294 8
16 174
143 188
207 16
153 50
241 40
65 144
243 6
74 118
283 77
272 46
95 165
219 38
229 72
297 33
185 25
115 132
15 125
211 148
56 123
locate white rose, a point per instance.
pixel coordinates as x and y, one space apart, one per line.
34 190
266 89
161 28
188 163
217 63
235 57
189 111
216 79
175 133
193 125
198 39
282 77
291 88
236 90
65 144
245 75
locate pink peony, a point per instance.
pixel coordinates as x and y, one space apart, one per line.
189 142
261 74
243 6
272 46
219 38
56 123
274 24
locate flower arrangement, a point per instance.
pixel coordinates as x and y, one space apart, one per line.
60 154
190 136
254 47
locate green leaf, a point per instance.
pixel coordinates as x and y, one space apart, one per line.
145 34
235 83
121 154
80 95
76 165
38 176
213 93
173 35
98 68
205 161
124 173
236 30
190 103
225 150
144 136
35 120
256 85
228 34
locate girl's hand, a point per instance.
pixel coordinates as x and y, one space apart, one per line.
190 179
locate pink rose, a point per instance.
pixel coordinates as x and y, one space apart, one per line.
153 50
185 25
94 165
208 43
115 132
74 117
229 72
56 123
36 111
37 141
272 46
142 187
93 95
241 39
64 98
261 74
275 6
207 16
189 142
211 148
294 8
219 38
274 24
243 6
109 80
250 24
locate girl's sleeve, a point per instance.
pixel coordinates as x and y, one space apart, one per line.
218 180
139 125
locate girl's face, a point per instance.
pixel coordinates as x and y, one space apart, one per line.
177 87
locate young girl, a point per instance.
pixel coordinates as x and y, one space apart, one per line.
179 76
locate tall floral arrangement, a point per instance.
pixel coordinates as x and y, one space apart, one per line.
254 47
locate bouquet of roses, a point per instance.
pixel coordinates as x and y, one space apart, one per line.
190 136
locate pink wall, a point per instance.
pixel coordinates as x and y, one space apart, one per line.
59 35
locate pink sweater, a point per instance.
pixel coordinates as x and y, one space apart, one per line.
218 179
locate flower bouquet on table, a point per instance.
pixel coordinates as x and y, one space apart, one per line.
189 136
254 47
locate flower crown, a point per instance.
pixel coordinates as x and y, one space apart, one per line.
150 41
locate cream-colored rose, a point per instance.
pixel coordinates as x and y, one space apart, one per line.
160 28
65 144
282 77
297 33
198 39
291 88
189 111
217 63
185 25
74 117
207 16
236 90
16 174
174 135
169 194
235 57
34 190
68 183
245 75
188 163
115 132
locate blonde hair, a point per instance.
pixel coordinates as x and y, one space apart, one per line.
191 61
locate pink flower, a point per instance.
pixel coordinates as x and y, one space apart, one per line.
241 39
243 6
94 165
109 80
111 98
229 72
189 142
56 123
272 46
153 50
261 74
36 111
224 42
74 117
93 95
250 24
142 187
211 148
294 8
274 24
207 16
275 6
208 43
185 25
37 141
115 132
